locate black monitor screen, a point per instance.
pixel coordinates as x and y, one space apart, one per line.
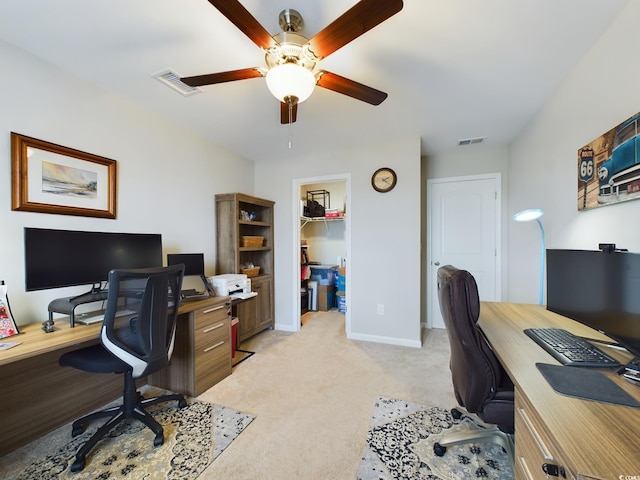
193 262
63 258
601 290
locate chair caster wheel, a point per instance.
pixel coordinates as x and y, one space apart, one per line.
159 440
455 413
78 465
75 431
439 450
182 403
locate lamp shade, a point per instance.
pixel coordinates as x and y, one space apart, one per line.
290 80
528 215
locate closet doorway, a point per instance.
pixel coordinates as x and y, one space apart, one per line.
321 242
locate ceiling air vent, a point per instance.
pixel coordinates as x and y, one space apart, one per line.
471 141
172 79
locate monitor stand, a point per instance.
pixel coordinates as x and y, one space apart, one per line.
67 305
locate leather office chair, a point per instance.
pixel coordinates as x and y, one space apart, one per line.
135 344
480 383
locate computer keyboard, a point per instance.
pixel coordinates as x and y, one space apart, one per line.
91 319
569 349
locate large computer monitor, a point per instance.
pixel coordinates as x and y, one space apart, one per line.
598 289
64 258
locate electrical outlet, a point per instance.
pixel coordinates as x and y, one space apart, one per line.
380 309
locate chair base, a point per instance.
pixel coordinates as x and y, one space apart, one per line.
489 433
133 406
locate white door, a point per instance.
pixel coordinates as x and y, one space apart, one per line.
463 230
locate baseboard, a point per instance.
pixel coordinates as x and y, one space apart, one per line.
404 342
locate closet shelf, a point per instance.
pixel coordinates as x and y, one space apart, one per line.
305 220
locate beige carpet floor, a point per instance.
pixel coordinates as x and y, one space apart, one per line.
313 394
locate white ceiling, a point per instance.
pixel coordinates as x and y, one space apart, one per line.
453 69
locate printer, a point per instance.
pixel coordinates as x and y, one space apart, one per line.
228 284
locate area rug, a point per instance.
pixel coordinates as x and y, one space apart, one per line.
194 436
400 442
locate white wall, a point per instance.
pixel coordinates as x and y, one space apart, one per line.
464 161
384 267
598 94
167 177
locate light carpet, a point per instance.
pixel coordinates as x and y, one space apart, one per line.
400 446
194 436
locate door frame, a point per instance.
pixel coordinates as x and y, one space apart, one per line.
297 183
497 177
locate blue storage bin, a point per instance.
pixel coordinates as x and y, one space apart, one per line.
324 274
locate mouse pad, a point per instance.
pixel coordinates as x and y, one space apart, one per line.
585 383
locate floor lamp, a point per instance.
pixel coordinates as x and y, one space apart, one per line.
527 216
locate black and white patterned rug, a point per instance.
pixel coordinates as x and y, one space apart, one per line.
400 446
194 436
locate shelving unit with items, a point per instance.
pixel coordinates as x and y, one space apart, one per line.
244 238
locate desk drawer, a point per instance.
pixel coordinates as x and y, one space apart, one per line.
213 361
211 324
533 446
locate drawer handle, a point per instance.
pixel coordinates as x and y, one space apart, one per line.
213 309
543 448
525 468
210 329
208 349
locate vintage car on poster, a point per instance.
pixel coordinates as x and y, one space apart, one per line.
615 158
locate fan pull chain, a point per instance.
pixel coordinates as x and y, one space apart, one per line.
290 123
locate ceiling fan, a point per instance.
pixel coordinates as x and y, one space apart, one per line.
291 58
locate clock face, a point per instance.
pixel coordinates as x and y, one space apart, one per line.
383 180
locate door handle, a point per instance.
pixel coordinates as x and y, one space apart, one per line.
437 264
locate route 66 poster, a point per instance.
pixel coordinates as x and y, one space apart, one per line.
609 166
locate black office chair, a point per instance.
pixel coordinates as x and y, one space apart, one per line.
480 384
137 338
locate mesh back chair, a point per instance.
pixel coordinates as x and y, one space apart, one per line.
136 339
481 385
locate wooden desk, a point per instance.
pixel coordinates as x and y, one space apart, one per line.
587 438
38 395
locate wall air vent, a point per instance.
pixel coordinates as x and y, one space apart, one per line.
172 79
471 141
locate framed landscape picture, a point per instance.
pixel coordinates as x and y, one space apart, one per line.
50 178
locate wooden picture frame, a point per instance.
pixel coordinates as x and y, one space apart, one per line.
50 178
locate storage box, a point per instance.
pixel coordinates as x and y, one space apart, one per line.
234 336
324 274
341 301
342 279
326 297
251 241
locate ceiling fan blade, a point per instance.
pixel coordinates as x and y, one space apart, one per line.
221 77
241 18
284 113
337 83
360 18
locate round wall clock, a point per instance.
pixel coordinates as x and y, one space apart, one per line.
383 180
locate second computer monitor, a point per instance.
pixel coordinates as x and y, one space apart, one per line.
193 262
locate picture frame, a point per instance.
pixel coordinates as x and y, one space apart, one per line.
607 166
8 325
50 178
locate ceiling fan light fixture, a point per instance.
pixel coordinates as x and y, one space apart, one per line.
290 80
